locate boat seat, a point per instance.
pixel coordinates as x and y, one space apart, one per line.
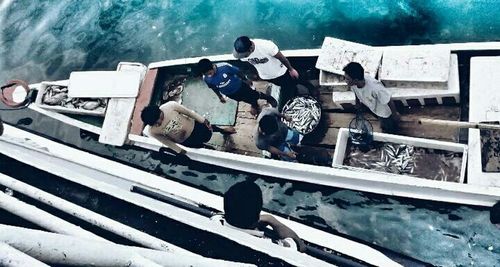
119 111
414 93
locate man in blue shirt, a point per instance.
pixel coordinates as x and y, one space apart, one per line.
225 79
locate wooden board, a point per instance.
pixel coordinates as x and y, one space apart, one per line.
117 121
416 65
198 97
336 53
97 84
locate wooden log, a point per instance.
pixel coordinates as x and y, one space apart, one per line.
43 218
89 216
11 257
459 124
68 250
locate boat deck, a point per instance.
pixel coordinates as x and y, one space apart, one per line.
318 147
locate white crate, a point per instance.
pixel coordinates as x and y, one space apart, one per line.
41 92
343 138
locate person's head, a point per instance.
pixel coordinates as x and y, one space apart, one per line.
243 47
268 124
206 67
242 205
354 74
495 214
152 115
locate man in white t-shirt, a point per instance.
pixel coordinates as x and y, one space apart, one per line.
272 66
372 94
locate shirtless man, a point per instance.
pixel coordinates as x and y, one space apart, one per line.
173 124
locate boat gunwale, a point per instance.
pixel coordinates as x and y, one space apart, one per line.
488 195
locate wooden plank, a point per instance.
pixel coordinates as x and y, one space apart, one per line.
242 142
422 65
117 121
326 101
143 99
202 100
336 53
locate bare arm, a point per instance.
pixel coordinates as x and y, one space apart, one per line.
167 142
281 230
219 95
293 72
276 151
181 109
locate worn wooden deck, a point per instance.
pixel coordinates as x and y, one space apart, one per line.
318 147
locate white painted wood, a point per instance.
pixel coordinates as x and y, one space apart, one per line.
343 137
421 65
117 121
11 257
43 218
229 57
102 84
69 250
484 105
115 173
472 46
336 54
89 216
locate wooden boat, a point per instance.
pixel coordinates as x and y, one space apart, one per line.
153 196
449 94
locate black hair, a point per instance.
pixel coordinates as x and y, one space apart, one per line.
355 71
242 44
205 65
242 204
268 124
150 114
495 213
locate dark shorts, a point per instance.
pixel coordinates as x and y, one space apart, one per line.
246 94
199 136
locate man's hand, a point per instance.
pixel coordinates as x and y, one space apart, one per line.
291 154
287 118
250 83
207 123
293 73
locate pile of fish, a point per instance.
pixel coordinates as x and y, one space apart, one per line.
305 113
56 95
397 159
387 157
428 163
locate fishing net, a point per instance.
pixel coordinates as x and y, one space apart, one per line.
360 130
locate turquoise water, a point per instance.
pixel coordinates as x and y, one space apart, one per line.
46 40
